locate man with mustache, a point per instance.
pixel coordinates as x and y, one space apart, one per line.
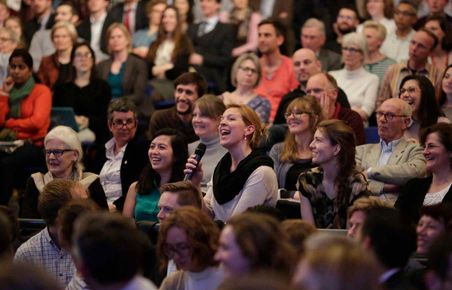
347 21
189 87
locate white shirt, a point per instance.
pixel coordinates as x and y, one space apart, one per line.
395 47
432 198
96 36
386 151
132 13
211 23
110 175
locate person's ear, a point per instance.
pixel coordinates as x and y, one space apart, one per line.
337 149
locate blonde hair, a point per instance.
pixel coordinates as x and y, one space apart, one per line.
124 30
235 67
315 23
357 39
250 118
381 30
70 28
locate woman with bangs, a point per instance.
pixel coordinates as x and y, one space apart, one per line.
244 177
293 156
328 190
189 238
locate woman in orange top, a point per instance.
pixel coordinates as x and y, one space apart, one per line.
24 117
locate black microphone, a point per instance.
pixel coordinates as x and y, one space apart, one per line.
199 153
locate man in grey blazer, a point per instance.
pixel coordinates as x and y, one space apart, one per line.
393 161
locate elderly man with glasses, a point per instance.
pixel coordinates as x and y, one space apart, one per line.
393 161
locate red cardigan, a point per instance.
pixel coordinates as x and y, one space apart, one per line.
35 110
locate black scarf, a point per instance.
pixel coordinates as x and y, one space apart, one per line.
226 184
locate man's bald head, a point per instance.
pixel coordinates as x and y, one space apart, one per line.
305 64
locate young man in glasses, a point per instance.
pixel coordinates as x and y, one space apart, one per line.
393 161
125 154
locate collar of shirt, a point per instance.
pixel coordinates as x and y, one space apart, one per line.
211 23
388 147
101 19
406 68
110 148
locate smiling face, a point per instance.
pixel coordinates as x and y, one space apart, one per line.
447 82
436 154
390 130
246 76
178 246
185 96
14 25
169 20
230 255
233 129
305 64
298 120
161 154
411 93
60 166
427 230
323 152
204 126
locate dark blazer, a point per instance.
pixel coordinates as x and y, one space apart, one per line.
133 162
134 82
141 21
84 31
32 26
398 281
412 197
215 48
330 60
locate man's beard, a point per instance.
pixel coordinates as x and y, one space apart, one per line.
347 30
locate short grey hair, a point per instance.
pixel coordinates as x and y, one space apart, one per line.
70 138
315 23
356 39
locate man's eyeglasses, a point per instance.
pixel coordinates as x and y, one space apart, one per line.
388 116
121 123
56 152
404 13
180 249
296 114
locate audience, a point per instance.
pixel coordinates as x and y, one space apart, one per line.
392 253
64 154
192 247
175 195
436 188
167 155
445 99
8 43
168 54
87 94
253 242
441 56
125 155
360 86
206 119
326 192
143 38
25 118
335 263
393 161
294 155
125 73
278 77
188 88
243 177
419 93
421 45
108 252
397 42
213 42
44 249
313 37
245 75
346 22
132 13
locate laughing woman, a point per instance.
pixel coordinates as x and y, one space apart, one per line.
244 177
328 190
167 156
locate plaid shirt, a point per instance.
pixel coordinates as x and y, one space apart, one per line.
42 251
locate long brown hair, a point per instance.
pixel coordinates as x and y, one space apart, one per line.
309 104
181 42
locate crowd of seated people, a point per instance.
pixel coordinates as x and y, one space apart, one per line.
285 119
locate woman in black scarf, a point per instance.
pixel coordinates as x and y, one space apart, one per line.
244 177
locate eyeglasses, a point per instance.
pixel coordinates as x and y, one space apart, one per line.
404 13
118 123
387 116
410 90
56 152
351 49
181 249
296 114
83 55
248 69
344 17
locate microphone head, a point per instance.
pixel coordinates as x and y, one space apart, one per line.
201 149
